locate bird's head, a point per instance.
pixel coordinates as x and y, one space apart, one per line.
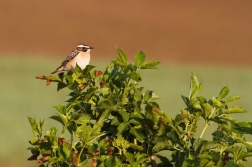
84 47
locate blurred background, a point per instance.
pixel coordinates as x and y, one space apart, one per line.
211 39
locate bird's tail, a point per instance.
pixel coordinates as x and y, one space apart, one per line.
57 70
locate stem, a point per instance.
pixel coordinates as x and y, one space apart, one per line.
207 122
153 161
178 133
63 131
204 129
80 153
71 140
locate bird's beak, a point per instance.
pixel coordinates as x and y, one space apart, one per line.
90 47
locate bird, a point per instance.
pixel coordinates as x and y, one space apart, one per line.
80 55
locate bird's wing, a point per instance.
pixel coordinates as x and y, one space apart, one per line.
70 57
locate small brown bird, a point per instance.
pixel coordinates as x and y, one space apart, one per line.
80 56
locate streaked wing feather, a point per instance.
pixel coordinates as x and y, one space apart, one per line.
71 56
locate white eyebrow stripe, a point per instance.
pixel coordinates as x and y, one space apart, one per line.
80 46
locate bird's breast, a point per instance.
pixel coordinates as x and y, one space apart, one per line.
82 60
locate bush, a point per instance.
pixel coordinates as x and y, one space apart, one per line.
112 122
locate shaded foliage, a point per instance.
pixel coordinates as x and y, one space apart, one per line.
112 122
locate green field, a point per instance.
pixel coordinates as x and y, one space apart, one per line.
22 95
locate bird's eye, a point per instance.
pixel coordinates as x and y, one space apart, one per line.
84 49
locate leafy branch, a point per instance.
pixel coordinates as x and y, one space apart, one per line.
113 122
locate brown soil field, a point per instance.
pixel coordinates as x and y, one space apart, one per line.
213 32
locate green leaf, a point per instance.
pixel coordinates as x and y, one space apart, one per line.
53 160
61 85
102 158
150 65
207 109
87 69
130 157
164 160
193 85
232 99
136 121
186 100
248 145
194 96
66 149
147 95
204 162
245 155
113 162
118 62
150 95
130 67
83 119
124 114
162 146
105 114
63 118
136 164
188 163
223 93
235 109
230 119
92 148
139 58
117 120
137 133
83 163
75 115
230 163
142 156
152 115
122 55
77 69
136 147
137 95
135 76
34 126
198 144
209 145
242 127
122 127
161 130
61 109
204 156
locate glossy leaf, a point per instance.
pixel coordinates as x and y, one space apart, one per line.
207 109
235 109
122 127
150 65
118 62
193 85
105 114
117 120
135 76
242 127
124 114
186 100
223 93
67 150
209 145
113 162
232 99
139 58
137 95
137 133
130 157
